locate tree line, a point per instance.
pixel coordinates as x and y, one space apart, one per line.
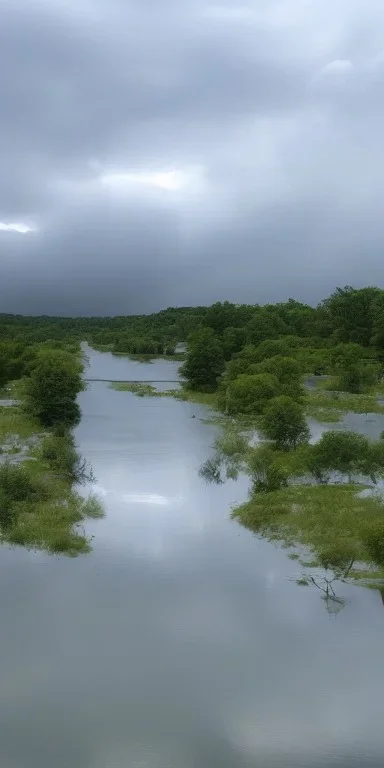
348 315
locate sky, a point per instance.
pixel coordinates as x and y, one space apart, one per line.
160 153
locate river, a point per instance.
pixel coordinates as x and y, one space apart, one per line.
180 641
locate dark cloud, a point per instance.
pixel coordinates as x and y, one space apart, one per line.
270 116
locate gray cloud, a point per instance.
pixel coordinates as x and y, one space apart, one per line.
270 114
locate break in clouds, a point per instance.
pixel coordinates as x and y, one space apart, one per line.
176 152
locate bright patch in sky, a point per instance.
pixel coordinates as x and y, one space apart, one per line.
168 180
339 66
22 229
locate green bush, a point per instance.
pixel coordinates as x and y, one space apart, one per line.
347 453
204 362
251 393
374 542
267 475
59 452
284 422
53 386
17 486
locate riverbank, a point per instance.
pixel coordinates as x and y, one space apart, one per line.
40 473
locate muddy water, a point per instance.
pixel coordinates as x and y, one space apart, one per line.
181 641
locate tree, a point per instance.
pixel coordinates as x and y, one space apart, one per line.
251 393
353 373
284 422
351 312
242 361
53 386
271 348
224 315
205 361
347 453
232 341
266 323
357 379
378 321
287 371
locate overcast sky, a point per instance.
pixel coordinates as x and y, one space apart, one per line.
173 152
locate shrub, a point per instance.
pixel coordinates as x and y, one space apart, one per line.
266 475
284 422
250 393
374 542
17 486
59 452
204 362
346 452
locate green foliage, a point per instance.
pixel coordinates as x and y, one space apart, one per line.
374 542
266 323
250 393
17 486
339 403
331 521
242 362
222 316
52 388
351 313
204 362
266 473
272 348
287 371
338 557
284 422
140 389
353 373
58 452
348 315
345 356
347 453
232 340
142 345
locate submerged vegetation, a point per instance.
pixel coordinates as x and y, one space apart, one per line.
321 498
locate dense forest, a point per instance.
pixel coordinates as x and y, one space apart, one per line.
348 315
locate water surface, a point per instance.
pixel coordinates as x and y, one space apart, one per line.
180 642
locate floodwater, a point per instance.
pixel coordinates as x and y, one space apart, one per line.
182 641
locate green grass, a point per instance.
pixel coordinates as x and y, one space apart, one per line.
15 422
320 518
186 395
139 389
324 415
324 405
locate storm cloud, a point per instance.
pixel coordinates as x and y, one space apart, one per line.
175 152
